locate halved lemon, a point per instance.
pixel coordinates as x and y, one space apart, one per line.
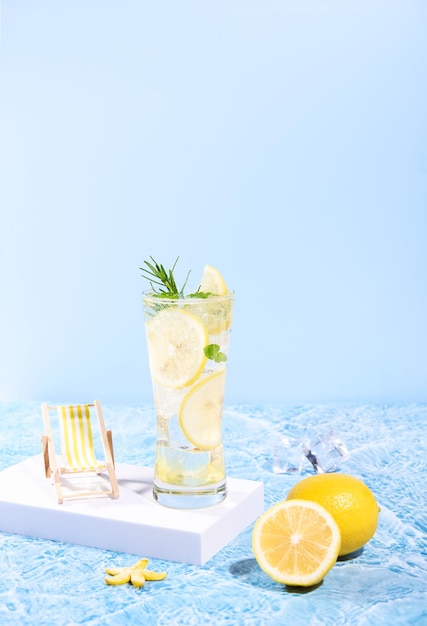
213 282
296 542
175 340
200 413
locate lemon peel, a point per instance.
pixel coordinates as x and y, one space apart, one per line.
350 502
136 574
213 282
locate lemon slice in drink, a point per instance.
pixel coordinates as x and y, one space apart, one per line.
175 340
215 313
296 542
200 413
213 282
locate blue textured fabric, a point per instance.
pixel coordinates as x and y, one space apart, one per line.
45 582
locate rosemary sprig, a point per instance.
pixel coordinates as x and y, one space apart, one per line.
165 279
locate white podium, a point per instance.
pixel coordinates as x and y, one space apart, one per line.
134 523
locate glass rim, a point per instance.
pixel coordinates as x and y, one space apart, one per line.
149 296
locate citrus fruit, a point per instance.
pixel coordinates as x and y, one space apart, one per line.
351 503
200 413
213 282
175 340
296 542
214 312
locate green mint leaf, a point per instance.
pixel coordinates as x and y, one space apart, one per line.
213 352
200 294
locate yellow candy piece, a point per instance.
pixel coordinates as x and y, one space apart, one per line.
154 575
137 577
136 574
113 571
122 577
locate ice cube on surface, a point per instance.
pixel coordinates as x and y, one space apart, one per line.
288 456
326 451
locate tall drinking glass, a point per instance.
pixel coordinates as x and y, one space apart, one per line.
188 341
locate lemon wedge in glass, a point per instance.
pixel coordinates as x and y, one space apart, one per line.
214 311
213 282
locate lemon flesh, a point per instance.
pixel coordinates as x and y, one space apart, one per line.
213 282
175 340
200 413
296 542
215 313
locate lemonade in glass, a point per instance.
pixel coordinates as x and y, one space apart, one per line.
188 342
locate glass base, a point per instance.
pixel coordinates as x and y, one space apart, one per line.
189 498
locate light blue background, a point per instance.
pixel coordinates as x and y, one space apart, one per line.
284 142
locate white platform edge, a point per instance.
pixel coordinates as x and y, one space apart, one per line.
134 523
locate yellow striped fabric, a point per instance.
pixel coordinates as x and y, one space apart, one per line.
76 437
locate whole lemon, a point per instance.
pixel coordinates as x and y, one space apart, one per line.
350 502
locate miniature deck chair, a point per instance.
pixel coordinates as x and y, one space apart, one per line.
77 449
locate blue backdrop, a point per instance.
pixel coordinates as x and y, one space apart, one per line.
283 142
